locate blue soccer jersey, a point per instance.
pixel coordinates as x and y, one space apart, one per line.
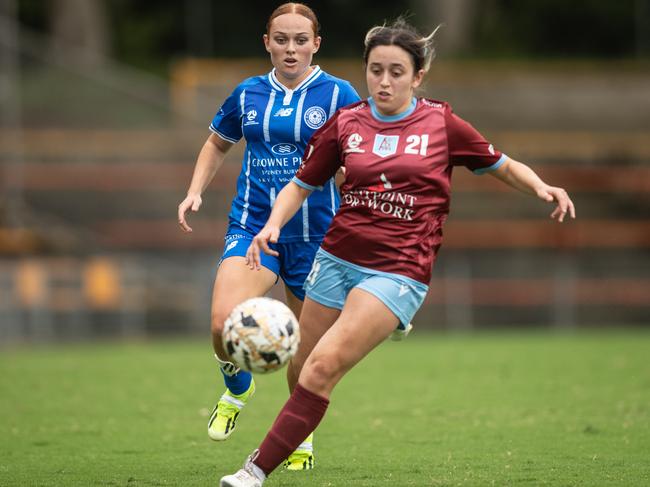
277 123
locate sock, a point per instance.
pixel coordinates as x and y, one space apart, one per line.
258 472
237 381
297 419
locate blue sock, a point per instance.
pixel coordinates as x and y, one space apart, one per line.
238 383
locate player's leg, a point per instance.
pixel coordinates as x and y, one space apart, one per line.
371 311
296 264
234 283
364 322
293 301
315 320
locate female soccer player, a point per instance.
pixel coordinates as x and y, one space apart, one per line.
374 265
276 113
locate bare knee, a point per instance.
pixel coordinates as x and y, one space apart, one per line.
321 373
217 320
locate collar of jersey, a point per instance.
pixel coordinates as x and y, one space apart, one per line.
288 92
391 118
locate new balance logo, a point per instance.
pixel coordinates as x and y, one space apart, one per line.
283 112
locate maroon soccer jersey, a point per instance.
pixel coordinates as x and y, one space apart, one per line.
396 193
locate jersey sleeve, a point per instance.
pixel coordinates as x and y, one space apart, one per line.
467 147
348 95
227 122
321 159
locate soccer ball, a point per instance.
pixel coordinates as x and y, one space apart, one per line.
261 335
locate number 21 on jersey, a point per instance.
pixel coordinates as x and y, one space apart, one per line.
417 144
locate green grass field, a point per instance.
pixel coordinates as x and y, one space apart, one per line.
484 409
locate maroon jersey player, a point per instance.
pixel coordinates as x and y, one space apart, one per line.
396 193
371 273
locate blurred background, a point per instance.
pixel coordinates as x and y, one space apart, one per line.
105 105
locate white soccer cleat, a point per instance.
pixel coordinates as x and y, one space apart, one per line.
247 476
400 334
242 478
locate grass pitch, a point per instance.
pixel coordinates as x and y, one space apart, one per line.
436 410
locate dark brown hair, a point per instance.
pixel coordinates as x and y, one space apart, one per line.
402 34
295 8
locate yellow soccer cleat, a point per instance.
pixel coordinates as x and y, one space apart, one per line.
303 457
224 415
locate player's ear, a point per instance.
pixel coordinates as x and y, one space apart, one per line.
417 78
317 40
265 38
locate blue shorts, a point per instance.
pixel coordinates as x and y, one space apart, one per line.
331 280
292 265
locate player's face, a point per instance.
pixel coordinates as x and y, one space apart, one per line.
292 45
391 79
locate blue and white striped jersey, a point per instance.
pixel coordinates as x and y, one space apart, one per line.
277 123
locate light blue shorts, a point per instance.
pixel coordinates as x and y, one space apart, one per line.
331 279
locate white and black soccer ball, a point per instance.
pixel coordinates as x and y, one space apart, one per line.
261 335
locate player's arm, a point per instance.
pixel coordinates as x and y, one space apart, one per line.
288 202
208 163
523 178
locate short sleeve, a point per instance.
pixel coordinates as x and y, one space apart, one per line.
467 147
227 122
348 95
321 159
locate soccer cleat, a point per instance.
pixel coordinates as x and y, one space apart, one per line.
249 475
224 415
303 457
400 333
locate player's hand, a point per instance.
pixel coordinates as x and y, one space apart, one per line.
564 203
261 242
191 202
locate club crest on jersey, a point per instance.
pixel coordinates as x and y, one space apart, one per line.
385 145
315 117
284 149
284 112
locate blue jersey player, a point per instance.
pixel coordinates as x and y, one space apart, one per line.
276 114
